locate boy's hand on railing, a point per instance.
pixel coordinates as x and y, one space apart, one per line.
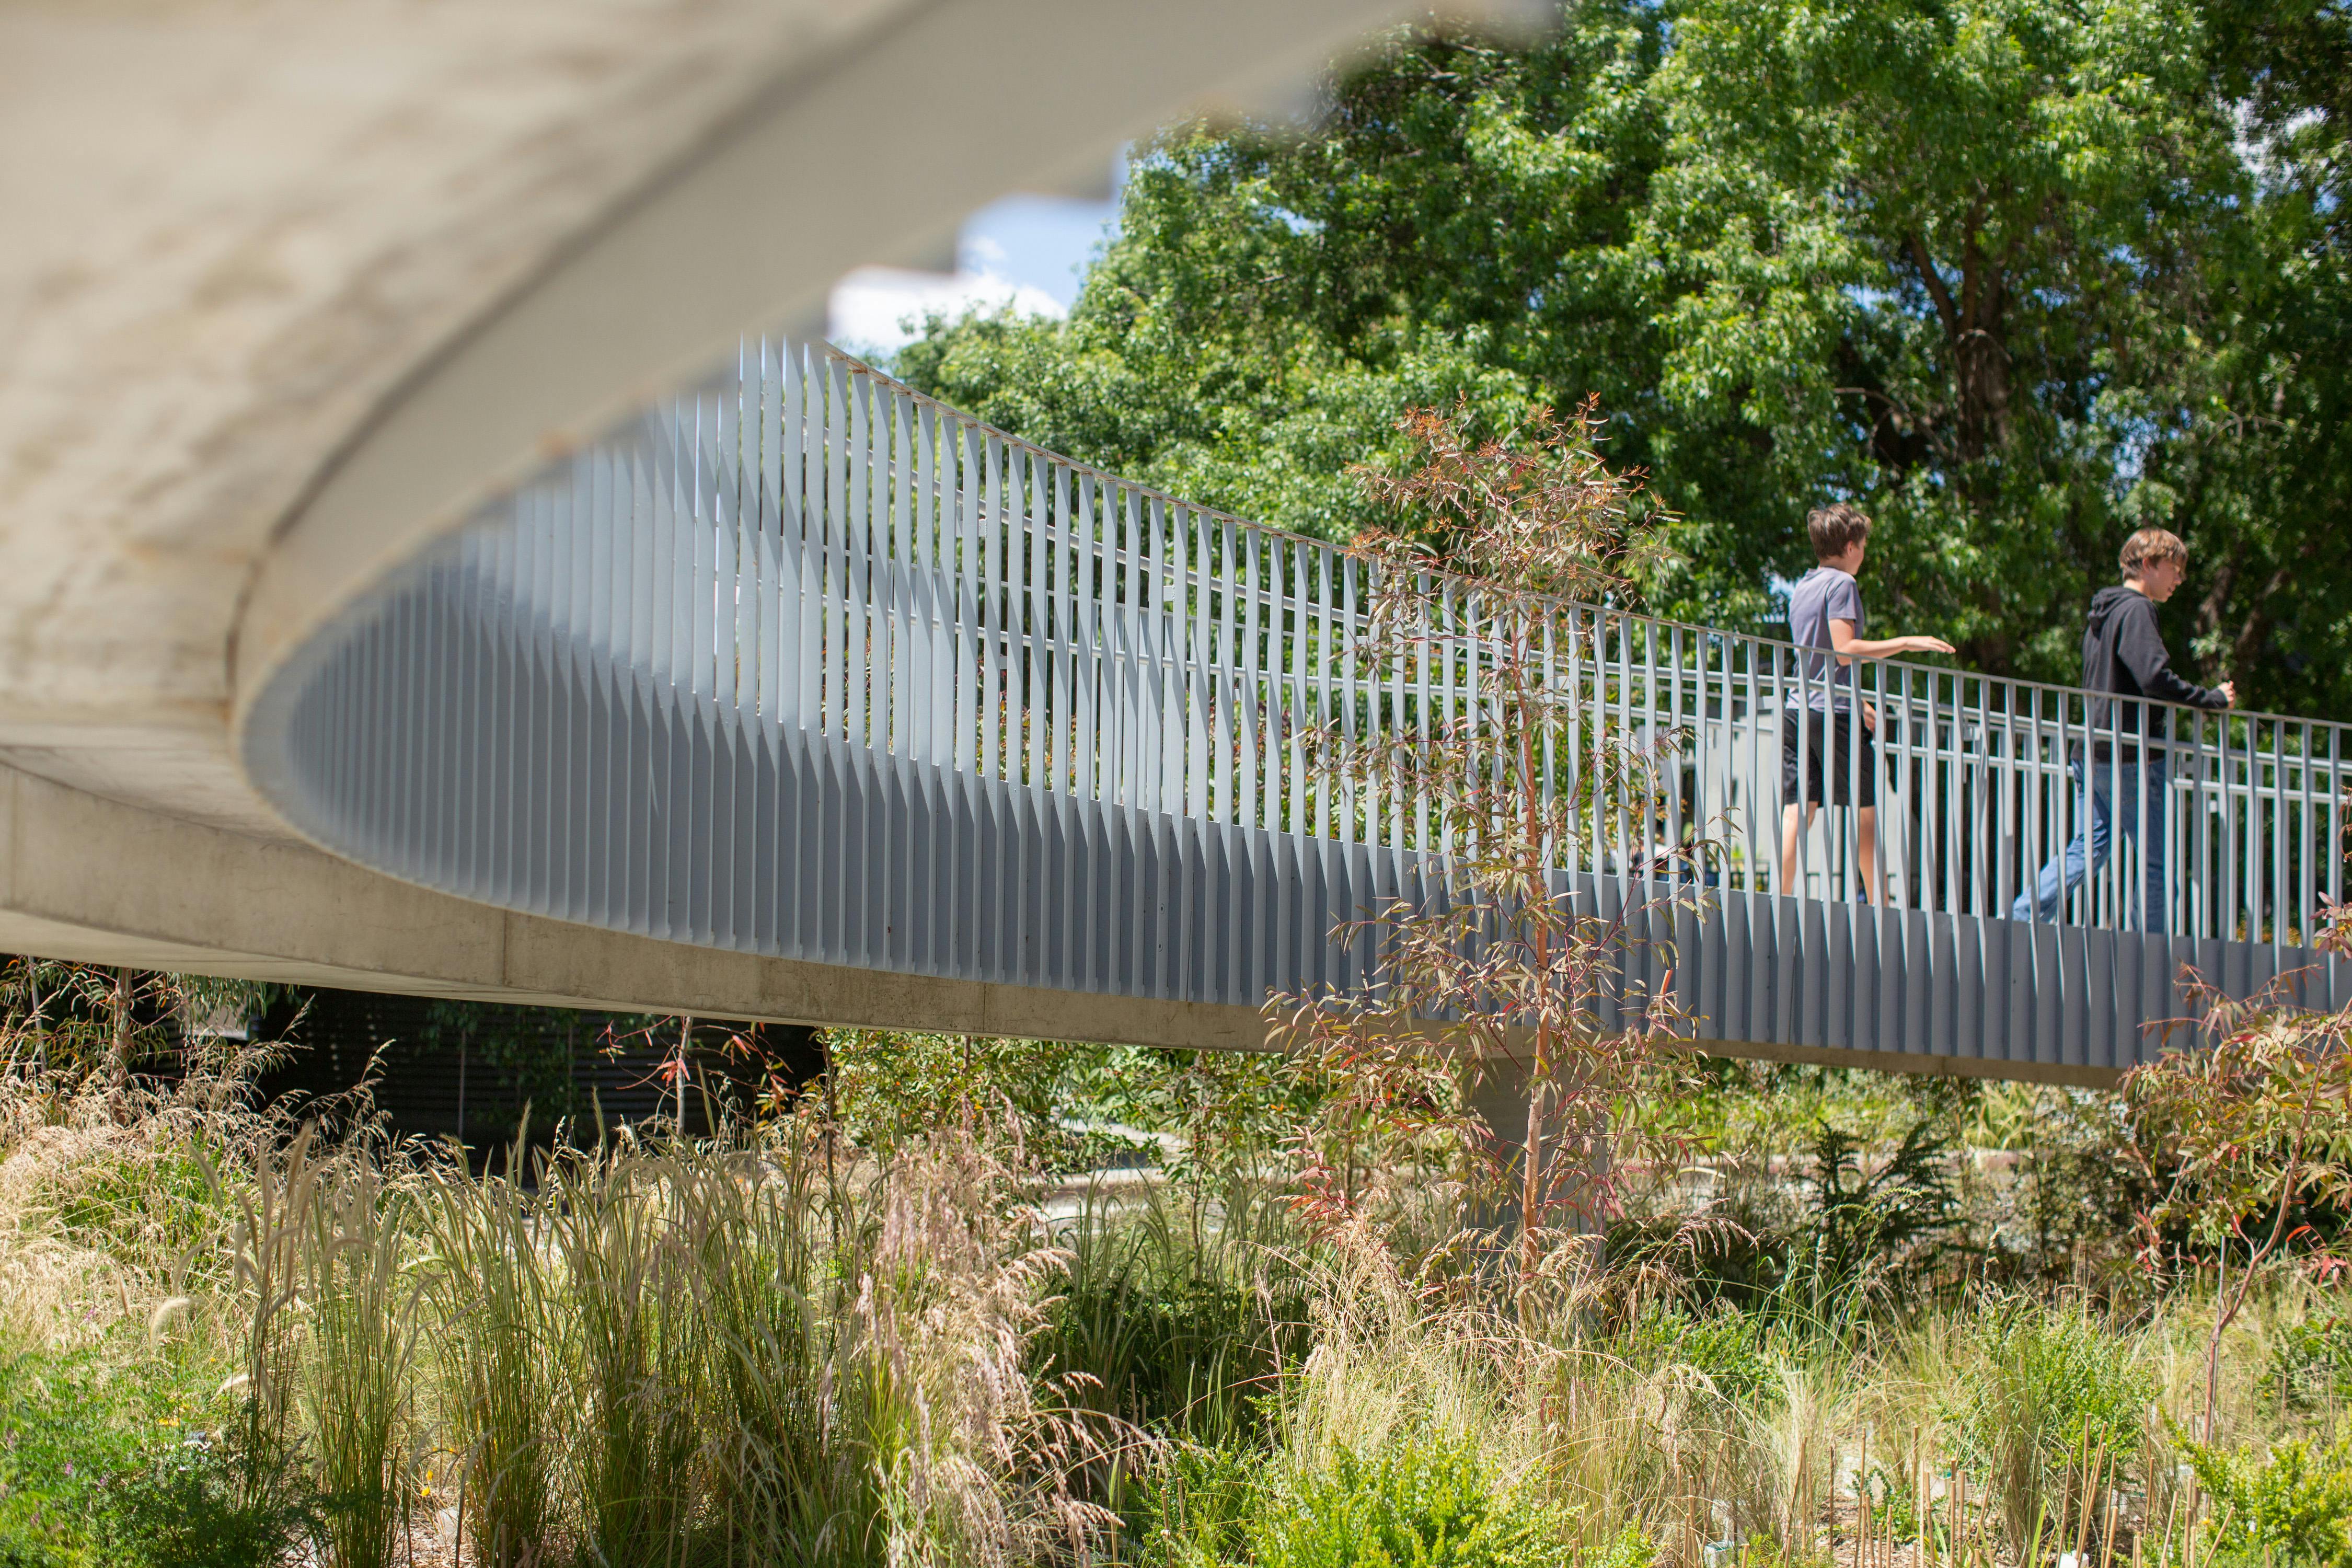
1928 645
2229 691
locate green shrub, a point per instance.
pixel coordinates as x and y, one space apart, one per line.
1846 1240
2043 1386
1727 1347
1190 1355
2292 1510
2311 1365
60 1444
1182 1322
184 1512
1876 1233
1199 1505
102 1464
1425 1505
160 1209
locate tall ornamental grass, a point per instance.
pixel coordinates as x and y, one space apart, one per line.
775 1348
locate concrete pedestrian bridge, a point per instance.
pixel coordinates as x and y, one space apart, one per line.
809 667
427 637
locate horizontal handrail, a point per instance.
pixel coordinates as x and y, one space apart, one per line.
1114 555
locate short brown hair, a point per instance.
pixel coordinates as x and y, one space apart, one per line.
2149 545
1835 529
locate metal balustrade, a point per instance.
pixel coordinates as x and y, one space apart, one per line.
814 666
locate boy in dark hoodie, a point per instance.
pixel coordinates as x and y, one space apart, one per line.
2124 657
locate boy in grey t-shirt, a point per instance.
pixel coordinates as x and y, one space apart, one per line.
1818 744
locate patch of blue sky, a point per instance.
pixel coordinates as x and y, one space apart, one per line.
2137 435
2265 152
1025 253
1872 298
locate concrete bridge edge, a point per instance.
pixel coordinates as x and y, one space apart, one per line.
93 879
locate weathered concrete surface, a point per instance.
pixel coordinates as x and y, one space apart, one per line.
877 153
257 246
228 233
285 286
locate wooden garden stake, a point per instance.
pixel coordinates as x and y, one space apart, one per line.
1861 1504
2107 1521
2082 1509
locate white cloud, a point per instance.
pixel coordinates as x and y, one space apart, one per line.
869 305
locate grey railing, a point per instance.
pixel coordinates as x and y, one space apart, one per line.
784 668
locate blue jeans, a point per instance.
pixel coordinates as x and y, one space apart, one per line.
2140 795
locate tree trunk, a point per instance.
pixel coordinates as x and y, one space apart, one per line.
1973 332
1531 1172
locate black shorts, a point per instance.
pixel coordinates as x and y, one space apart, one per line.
1827 761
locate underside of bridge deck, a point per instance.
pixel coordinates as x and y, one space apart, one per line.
289 287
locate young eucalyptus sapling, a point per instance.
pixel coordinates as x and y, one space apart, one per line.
2240 1133
1491 741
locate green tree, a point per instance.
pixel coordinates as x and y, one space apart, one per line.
1940 256
2267 477
1461 225
2019 276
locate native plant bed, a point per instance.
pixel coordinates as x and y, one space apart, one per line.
230 1339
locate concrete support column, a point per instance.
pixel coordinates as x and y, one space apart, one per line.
1500 1100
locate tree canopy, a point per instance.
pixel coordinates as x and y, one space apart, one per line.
2016 276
